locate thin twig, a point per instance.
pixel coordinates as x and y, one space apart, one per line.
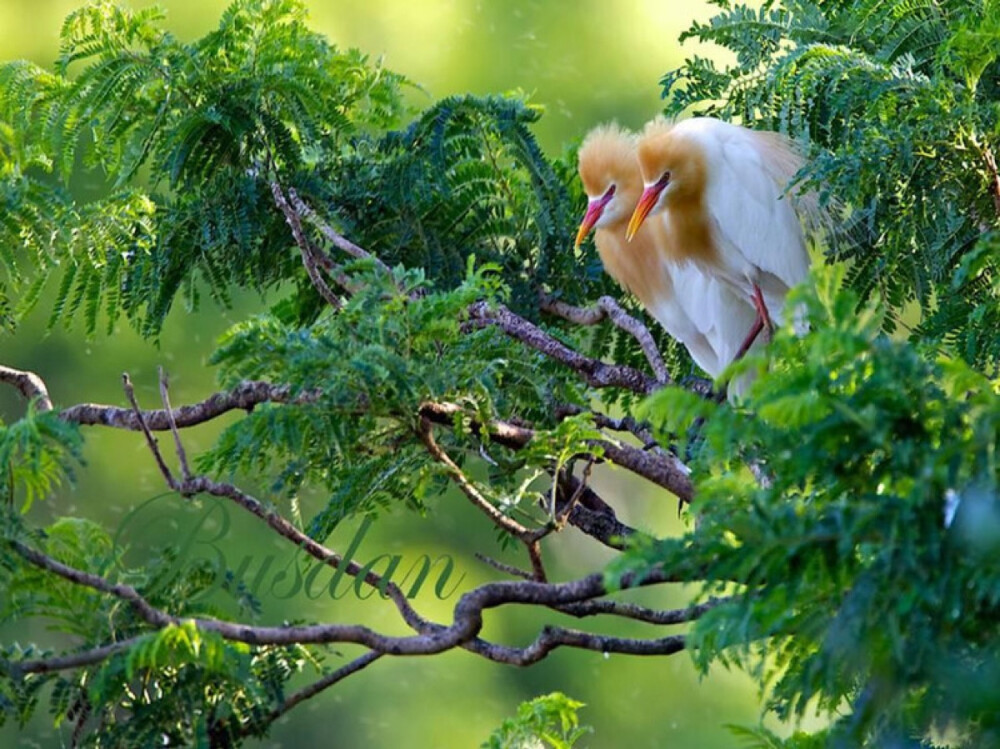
563 514
308 256
505 523
991 165
181 455
503 567
307 692
150 439
70 660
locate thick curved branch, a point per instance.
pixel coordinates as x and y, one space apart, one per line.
29 385
466 625
552 638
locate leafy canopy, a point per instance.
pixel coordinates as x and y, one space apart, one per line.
859 575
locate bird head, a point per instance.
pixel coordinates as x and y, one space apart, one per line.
610 177
671 165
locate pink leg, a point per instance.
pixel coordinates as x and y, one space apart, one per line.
761 322
762 314
758 325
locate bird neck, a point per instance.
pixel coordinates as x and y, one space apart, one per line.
689 236
636 265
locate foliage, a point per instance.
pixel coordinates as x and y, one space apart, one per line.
898 101
36 453
186 141
857 574
547 721
865 569
200 121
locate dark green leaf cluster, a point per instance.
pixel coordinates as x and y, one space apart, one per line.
865 568
198 124
899 102
467 177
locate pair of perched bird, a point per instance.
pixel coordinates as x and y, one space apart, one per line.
693 218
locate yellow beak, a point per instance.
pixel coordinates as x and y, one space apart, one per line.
649 197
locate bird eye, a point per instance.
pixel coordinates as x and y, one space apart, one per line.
609 193
664 180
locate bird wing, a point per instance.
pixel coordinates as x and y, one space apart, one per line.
692 317
745 199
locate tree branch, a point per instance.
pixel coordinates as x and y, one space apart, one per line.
336 239
29 385
178 445
245 396
296 698
661 467
69 661
594 372
150 614
150 439
639 613
607 308
500 520
466 625
552 638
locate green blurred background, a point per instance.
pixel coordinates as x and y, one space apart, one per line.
585 62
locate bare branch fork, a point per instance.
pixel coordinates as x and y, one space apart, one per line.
311 257
607 308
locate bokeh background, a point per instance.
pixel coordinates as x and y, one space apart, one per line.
585 61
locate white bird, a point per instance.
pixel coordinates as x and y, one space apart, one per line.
693 307
720 192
